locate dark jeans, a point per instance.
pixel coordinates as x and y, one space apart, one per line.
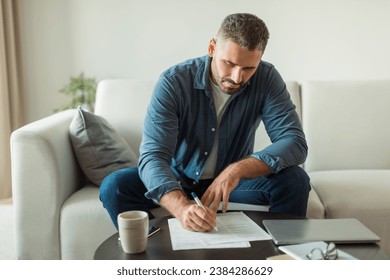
285 192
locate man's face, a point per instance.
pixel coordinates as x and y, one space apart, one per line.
232 65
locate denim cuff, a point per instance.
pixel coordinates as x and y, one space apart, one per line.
156 193
274 163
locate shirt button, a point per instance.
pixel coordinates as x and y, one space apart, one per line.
213 129
194 182
197 173
206 153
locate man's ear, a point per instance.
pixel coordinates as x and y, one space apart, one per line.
211 48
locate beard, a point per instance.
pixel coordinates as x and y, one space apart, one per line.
227 85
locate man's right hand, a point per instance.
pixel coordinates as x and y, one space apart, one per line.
195 218
192 216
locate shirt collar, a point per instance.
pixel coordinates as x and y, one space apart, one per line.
202 80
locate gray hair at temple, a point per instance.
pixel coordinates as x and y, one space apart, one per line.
246 30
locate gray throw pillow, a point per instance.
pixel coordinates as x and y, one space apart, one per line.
99 149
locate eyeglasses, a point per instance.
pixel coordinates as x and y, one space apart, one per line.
330 253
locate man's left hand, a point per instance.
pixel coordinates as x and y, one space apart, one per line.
221 188
228 180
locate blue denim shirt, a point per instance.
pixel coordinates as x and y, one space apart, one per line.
180 126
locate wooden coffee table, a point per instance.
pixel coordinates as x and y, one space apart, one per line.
159 246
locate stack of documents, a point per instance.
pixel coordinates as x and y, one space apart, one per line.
235 230
300 251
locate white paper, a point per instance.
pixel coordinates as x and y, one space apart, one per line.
300 251
235 230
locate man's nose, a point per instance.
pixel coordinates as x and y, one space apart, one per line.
237 75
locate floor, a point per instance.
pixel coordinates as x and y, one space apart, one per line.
7 240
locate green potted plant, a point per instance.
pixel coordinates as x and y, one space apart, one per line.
82 91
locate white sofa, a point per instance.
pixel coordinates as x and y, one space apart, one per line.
59 215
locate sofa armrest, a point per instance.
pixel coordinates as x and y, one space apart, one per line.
45 173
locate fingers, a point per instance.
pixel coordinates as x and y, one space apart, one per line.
207 197
220 190
225 202
213 196
215 203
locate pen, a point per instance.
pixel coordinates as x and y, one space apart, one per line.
197 200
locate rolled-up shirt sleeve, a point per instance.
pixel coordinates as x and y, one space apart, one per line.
159 142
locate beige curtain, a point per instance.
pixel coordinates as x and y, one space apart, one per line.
11 111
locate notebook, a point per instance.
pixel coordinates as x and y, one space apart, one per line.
300 251
293 231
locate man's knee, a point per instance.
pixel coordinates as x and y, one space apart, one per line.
294 178
117 182
292 193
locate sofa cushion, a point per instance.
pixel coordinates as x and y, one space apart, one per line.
99 149
84 224
315 208
346 124
123 103
360 194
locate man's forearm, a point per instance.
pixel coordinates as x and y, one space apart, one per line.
249 168
174 201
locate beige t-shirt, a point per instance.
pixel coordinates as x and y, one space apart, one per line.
220 102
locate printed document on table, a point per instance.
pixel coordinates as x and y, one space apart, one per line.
300 251
235 230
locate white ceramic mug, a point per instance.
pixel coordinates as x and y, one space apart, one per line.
133 231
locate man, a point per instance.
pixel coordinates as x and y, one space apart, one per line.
199 133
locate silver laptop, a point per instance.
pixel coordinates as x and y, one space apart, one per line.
331 230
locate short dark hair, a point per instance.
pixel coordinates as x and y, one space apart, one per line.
246 30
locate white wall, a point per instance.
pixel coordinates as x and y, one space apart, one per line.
310 39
